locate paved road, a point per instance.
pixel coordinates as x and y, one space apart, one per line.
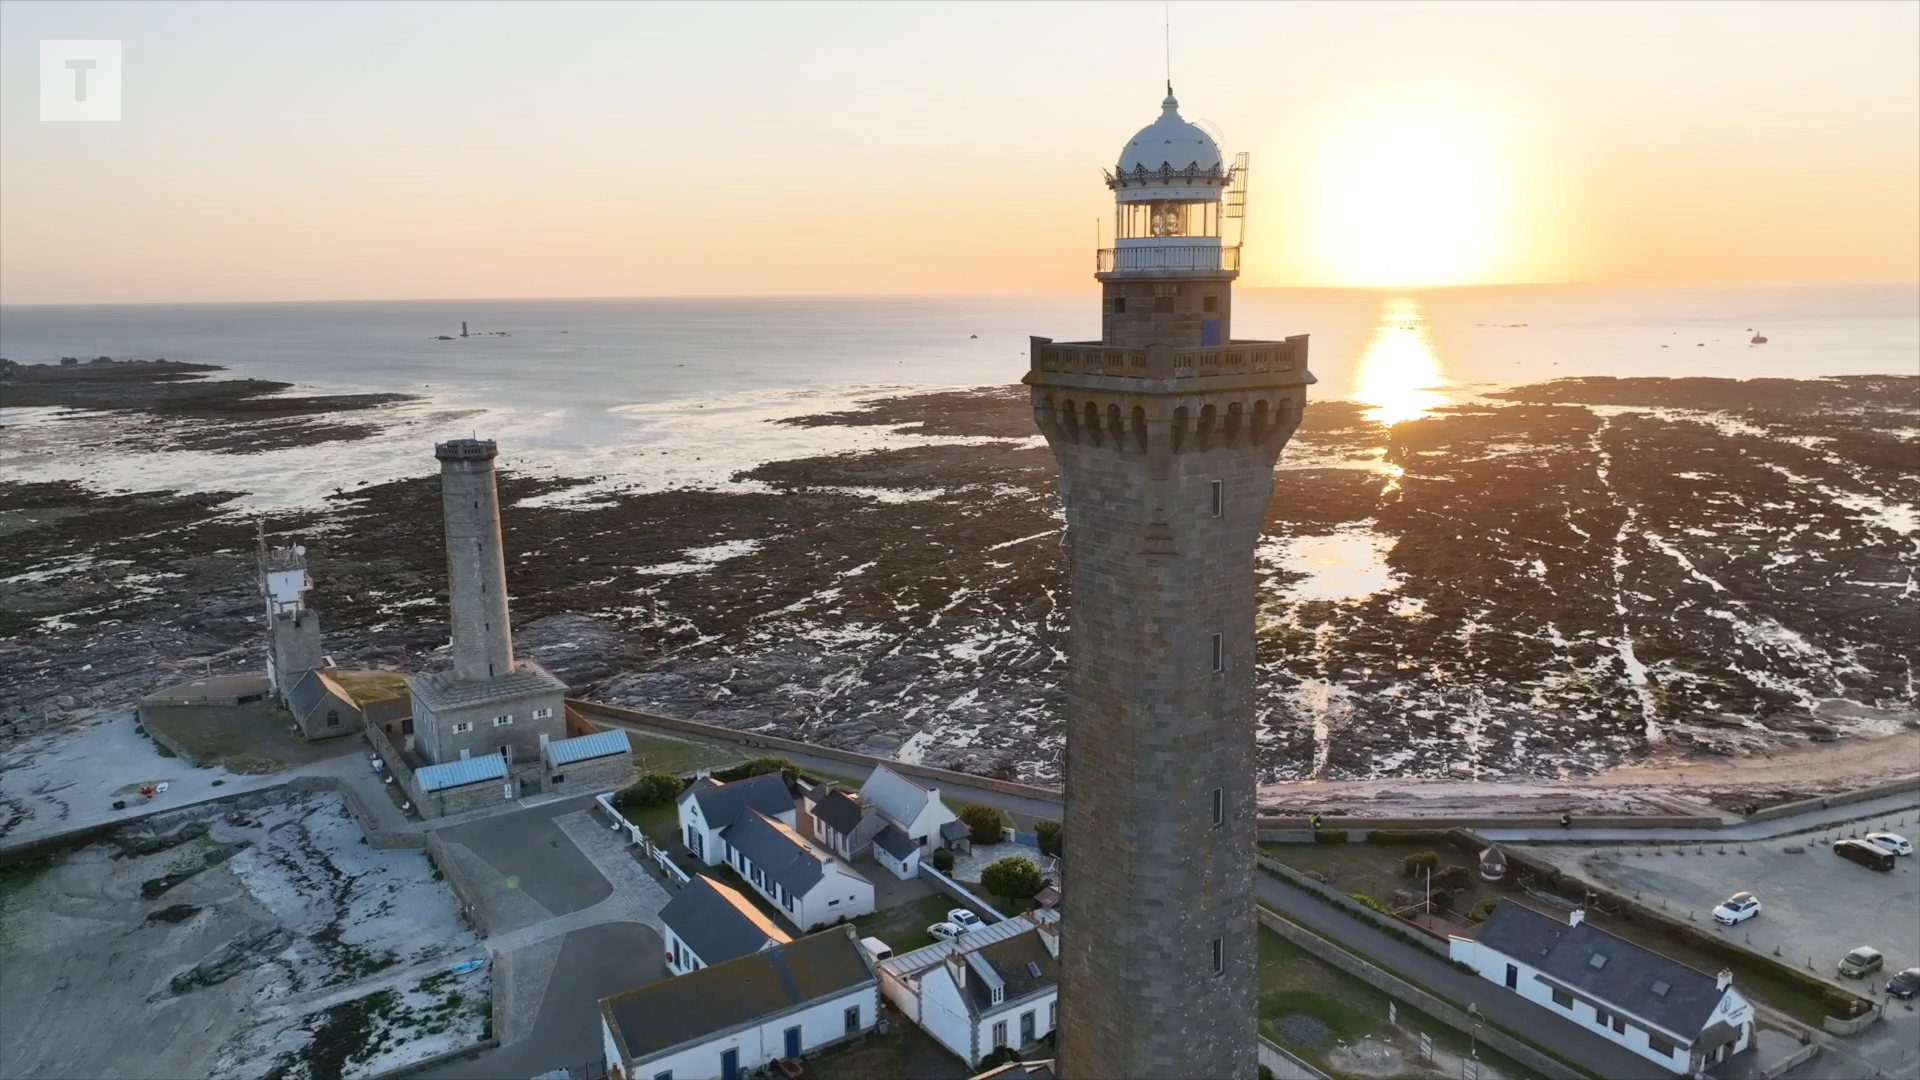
1434 972
579 918
1888 806
1026 808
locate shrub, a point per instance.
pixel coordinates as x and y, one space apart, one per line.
652 789
1049 834
760 766
1013 877
1370 903
1406 836
1004 1056
1442 900
983 823
1330 836
1454 877
1266 1073
1483 910
943 860
1413 864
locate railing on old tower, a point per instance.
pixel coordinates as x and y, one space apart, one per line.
1176 257
1160 362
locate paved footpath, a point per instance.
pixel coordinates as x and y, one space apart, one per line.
1884 807
1436 973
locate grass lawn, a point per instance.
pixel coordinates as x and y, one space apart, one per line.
905 1052
904 928
1374 869
1312 1008
662 822
660 753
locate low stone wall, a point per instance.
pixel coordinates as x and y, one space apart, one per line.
1351 906
1770 1070
378 838
1360 826
1851 1027
755 739
1405 992
1283 1065
1894 787
401 772
457 880
960 892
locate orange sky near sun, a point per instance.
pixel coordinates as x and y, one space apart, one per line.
398 150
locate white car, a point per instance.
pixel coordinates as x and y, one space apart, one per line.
944 931
1893 842
964 919
1738 908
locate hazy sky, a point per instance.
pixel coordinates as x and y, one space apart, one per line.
367 150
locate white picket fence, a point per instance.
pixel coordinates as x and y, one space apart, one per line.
639 839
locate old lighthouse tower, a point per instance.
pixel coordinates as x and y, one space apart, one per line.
1167 431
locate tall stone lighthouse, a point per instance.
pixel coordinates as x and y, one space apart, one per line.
491 702
1167 431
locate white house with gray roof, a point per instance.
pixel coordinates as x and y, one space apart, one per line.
916 811
727 1020
707 807
708 923
1678 1017
811 887
993 987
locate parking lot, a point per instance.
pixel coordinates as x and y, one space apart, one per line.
1815 905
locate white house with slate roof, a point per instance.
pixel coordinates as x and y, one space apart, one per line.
708 806
914 810
708 923
1676 1016
732 1018
993 987
813 888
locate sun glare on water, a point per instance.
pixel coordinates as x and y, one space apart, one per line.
1399 375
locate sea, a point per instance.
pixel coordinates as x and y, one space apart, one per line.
645 394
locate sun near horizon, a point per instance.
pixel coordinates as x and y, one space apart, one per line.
310 152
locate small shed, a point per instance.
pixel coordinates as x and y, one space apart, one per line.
956 835
895 850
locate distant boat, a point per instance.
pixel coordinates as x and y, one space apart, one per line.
467 967
1758 339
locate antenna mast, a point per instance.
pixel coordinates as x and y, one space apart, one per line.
1167 12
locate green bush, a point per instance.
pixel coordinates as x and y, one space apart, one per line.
1266 1073
1369 902
1049 835
1483 910
943 860
1413 864
1454 877
759 766
1330 836
652 789
1406 836
1441 899
1013 877
1003 1056
983 823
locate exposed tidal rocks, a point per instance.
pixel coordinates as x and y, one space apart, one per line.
1556 580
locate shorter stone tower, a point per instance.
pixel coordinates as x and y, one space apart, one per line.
490 703
293 628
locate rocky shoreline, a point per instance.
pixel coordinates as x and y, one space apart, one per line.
1558 580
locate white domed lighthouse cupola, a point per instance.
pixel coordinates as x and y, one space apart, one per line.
1172 191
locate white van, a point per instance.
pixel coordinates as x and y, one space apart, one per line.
876 949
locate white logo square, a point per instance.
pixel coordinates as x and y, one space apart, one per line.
79 80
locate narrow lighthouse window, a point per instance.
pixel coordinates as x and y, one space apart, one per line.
1219 497
1219 653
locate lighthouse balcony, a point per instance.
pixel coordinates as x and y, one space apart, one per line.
1240 357
1170 259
